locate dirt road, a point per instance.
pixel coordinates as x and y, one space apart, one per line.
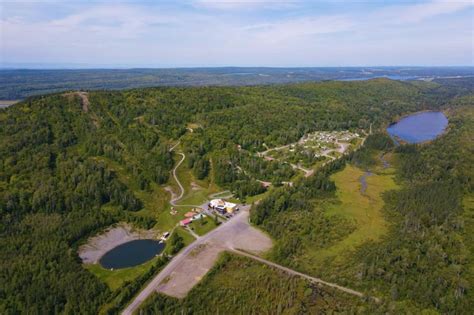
302 275
307 172
181 188
263 153
84 96
84 100
175 198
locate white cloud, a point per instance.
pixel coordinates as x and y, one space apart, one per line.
414 13
164 35
244 4
289 29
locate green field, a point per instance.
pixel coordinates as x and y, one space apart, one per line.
253 199
365 209
203 226
116 278
187 238
338 225
196 192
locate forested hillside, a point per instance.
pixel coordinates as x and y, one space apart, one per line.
72 164
422 260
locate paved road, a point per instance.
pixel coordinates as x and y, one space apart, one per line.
179 258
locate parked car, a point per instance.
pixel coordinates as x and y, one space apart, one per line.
165 236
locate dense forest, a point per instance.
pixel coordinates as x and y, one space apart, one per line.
59 156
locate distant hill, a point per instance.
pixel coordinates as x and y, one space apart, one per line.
21 83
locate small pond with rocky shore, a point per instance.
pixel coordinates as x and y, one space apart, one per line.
108 248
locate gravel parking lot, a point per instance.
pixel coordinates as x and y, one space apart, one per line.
188 267
235 233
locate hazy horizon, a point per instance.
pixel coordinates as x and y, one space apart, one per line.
52 66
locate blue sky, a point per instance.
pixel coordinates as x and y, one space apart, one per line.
236 33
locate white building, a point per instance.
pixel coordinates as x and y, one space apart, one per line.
223 205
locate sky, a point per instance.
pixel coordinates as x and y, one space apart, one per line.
212 33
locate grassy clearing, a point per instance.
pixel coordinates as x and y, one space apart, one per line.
196 191
187 238
203 226
389 169
195 197
365 210
116 278
222 194
254 199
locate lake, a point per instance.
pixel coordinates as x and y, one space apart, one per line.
419 127
131 254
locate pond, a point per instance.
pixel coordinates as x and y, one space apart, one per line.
419 127
131 254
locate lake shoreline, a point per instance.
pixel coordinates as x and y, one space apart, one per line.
131 254
403 116
97 246
419 127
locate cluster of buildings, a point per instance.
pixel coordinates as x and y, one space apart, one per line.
219 205
222 206
191 216
329 136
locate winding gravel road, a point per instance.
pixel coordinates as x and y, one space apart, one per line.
177 198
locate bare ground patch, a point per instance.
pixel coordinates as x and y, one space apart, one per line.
190 271
171 191
195 186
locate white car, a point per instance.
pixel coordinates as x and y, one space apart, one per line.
165 236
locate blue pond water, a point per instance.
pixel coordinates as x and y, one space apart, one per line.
419 127
131 254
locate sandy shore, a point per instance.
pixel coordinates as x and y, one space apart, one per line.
97 246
